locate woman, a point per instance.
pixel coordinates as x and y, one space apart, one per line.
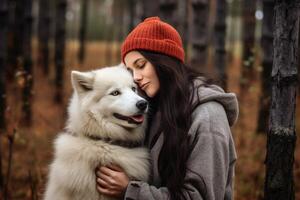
191 146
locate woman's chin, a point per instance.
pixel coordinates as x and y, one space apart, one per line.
150 93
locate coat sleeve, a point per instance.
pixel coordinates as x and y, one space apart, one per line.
210 167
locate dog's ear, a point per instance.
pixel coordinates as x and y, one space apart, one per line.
82 81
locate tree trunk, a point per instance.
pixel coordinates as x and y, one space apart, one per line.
234 13
3 59
279 183
267 49
16 27
60 32
248 11
168 12
82 31
27 63
199 29
44 34
3 62
131 14
118 10
299 60
150 8
220 36
182 25
119 19
108 42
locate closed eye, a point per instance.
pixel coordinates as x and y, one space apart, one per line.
141 65
115 93
133 89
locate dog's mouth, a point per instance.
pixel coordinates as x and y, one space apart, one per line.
134 119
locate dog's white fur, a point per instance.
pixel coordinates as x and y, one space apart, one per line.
72 173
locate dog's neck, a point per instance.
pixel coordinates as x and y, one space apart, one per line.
122 143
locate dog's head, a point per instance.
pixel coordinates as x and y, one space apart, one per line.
105 103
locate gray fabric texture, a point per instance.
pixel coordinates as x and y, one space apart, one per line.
210 167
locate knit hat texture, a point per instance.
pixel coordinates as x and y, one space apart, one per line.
154 35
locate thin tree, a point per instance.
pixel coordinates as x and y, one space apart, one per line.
182 26
279 182
82 30
248 18
267 49
119 12
220 35
15 29
234 13
108 36
27 63
60 34
44 20
150 8
131 14
3 60
168 11
10 40
140 10
299 62
199 30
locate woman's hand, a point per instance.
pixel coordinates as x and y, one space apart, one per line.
111 180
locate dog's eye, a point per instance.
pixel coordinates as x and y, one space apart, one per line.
133 89
115 93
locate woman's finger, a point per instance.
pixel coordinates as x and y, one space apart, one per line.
105 191
97 172
105 170
115 167
109 180
102 183
109 192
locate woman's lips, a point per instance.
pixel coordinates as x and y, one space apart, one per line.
144 86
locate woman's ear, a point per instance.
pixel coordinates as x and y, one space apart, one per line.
82 81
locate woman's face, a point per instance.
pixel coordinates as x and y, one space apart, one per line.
143 72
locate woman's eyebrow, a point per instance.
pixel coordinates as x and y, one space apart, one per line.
135 62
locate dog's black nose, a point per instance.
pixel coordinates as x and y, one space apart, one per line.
142 105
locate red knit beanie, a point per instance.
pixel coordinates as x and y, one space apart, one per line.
154 35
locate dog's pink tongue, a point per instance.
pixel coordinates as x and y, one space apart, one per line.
138 118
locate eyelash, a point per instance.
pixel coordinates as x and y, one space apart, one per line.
137 66
142 65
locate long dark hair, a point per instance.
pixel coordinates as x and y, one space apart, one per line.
175 102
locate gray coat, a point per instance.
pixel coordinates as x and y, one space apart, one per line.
210 167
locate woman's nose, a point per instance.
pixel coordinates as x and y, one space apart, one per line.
137 76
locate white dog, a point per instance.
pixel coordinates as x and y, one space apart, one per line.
106 125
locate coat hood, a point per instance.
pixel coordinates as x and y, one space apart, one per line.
206 93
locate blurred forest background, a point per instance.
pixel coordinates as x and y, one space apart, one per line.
41 41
